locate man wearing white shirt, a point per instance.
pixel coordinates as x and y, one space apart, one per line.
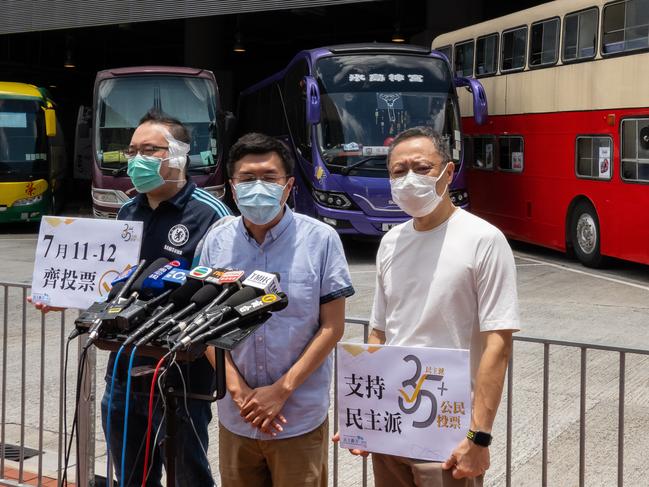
445 279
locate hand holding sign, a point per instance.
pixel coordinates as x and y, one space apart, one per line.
78 258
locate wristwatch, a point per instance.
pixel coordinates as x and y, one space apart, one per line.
480 438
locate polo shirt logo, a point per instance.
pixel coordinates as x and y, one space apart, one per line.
178 235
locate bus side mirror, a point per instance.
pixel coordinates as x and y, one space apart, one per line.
480 110
50 122
312 100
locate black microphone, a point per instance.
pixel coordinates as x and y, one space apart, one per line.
231 282
203 297
87 318
179 297
240 297
248 314
135 283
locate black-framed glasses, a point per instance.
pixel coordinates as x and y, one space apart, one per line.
145 150
251 178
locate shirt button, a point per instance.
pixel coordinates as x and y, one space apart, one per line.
260 339
261 367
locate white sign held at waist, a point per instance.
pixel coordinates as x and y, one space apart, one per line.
412 402
78 258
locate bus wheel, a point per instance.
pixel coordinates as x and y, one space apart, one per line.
585 234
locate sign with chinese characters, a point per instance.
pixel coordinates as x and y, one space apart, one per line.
412 402
78 258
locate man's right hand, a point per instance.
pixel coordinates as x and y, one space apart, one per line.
43 307
353 451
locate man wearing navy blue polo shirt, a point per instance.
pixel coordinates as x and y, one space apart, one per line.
176 216
273 422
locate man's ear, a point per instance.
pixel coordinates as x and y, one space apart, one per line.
234 193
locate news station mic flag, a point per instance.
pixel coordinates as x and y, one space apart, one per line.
78 258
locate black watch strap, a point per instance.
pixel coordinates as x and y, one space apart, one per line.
480 438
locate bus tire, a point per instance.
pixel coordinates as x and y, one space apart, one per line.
585 235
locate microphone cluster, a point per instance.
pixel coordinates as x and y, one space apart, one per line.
165 305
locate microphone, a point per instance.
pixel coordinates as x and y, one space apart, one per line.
88 317
179 297
200 299
268 282
240 297
135 282
250 313
231 282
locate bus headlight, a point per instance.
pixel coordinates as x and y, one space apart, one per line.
28 201
332 199
109 197
460 197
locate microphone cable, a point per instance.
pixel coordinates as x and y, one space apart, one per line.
191 421
68 451
147 449
127 400
110 411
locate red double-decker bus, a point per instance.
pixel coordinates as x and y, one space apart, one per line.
563 160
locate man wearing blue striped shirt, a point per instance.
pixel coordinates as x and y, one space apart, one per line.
176 216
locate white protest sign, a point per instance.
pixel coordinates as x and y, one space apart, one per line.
78 258
412 402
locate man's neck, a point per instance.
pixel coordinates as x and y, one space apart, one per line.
164 193
258 232
437 217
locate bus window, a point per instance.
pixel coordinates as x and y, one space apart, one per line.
463 59
483 152
448 52
635 150
626 26
593 157
510 154
544 43
486 55
294 92
580 35
512 53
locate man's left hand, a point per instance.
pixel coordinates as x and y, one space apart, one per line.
468 460
263 406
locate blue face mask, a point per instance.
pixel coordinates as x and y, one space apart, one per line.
144 172
259 201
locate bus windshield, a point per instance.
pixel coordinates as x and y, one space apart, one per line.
122 102
22 136
366 100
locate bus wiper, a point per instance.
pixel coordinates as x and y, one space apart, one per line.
119 170
346 170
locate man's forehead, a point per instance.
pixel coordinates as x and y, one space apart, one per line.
413 147
149 133
266 161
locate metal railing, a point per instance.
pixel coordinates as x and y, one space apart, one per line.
24 339
25 343
509 411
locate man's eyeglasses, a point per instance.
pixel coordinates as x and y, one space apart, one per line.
251 178
145 150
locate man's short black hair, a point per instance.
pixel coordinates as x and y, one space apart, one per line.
256 143
438 140
176 128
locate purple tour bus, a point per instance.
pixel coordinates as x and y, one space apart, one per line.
122 96
339 108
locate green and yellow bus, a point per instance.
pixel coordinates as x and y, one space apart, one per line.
33 163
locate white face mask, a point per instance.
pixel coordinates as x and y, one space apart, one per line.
416 194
